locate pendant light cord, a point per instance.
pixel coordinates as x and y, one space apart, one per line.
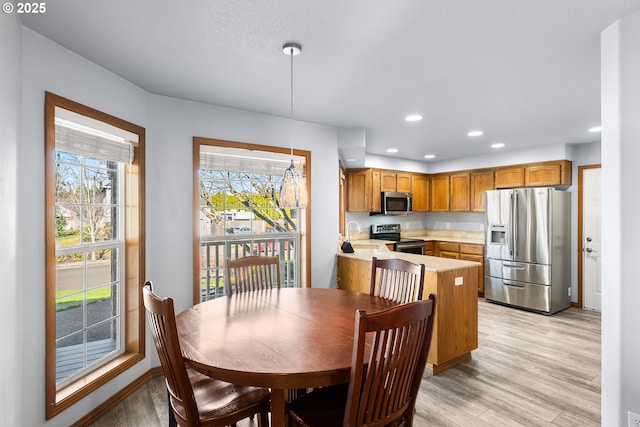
291 107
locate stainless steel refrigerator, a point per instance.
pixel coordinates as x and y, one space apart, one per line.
528 248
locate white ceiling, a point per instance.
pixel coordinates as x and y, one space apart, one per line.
526 72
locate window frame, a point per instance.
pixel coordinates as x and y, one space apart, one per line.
305 261
134 265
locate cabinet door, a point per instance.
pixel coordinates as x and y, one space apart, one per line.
387 181
428 248
480 259
440 193
420 189
459 192
358 189
374 193
481 181
542 175
509 177
450 247
403 182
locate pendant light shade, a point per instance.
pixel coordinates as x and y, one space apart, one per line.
293 191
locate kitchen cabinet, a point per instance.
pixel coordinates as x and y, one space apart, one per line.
447 250
363 190
420 189
459 192
509 177
387 180
481 181
548 174
473 252
395 181
403 182
465 252
374 193
440 193
428 248
544 174
455 328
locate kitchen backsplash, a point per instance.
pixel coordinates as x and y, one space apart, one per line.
455 221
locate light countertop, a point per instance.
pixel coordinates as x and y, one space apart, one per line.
366 249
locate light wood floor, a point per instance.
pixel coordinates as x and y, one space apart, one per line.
528 370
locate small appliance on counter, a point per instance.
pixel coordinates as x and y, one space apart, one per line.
392 232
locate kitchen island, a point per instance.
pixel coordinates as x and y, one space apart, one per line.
453 282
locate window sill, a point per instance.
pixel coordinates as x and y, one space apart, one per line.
86 385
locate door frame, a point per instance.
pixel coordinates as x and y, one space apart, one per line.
581 169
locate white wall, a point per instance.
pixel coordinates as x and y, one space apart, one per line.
170 125
620 47
11 387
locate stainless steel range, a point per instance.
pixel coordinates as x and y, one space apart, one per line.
392 232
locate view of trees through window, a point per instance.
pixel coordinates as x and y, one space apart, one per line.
239 214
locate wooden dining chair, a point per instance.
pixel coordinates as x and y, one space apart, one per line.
396 279
198 400
252 273
384 381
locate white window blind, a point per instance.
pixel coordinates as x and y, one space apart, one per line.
82 135
247 161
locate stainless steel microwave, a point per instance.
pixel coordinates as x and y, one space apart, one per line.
394 203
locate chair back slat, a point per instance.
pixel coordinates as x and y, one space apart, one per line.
396 279
161 316
385 376
252 273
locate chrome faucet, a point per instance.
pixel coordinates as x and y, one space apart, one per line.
349 226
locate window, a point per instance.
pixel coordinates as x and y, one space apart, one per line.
236 188
94 252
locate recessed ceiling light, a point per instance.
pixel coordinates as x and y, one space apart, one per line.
392 150
413 118
475 133
596 129
497 145
429 156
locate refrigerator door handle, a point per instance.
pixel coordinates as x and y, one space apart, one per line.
515 266
511 285
514 219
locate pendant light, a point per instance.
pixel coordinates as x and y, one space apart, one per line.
293 191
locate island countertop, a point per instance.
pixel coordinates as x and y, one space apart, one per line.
368 248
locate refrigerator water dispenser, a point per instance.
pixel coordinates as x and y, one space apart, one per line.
498 234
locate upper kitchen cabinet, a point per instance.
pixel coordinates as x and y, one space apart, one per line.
363 190
556 173
459 192
395 181
420 189
403 182
481 181
509 177
440 193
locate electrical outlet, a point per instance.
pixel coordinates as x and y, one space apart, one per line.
448 225
634 419
458 281
569 291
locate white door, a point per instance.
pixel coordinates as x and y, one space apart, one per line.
591 244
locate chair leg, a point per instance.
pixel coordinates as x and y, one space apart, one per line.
263 419
172 417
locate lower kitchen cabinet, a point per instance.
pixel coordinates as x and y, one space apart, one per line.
470 252
465 252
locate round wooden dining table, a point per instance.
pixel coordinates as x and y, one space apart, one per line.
289 338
